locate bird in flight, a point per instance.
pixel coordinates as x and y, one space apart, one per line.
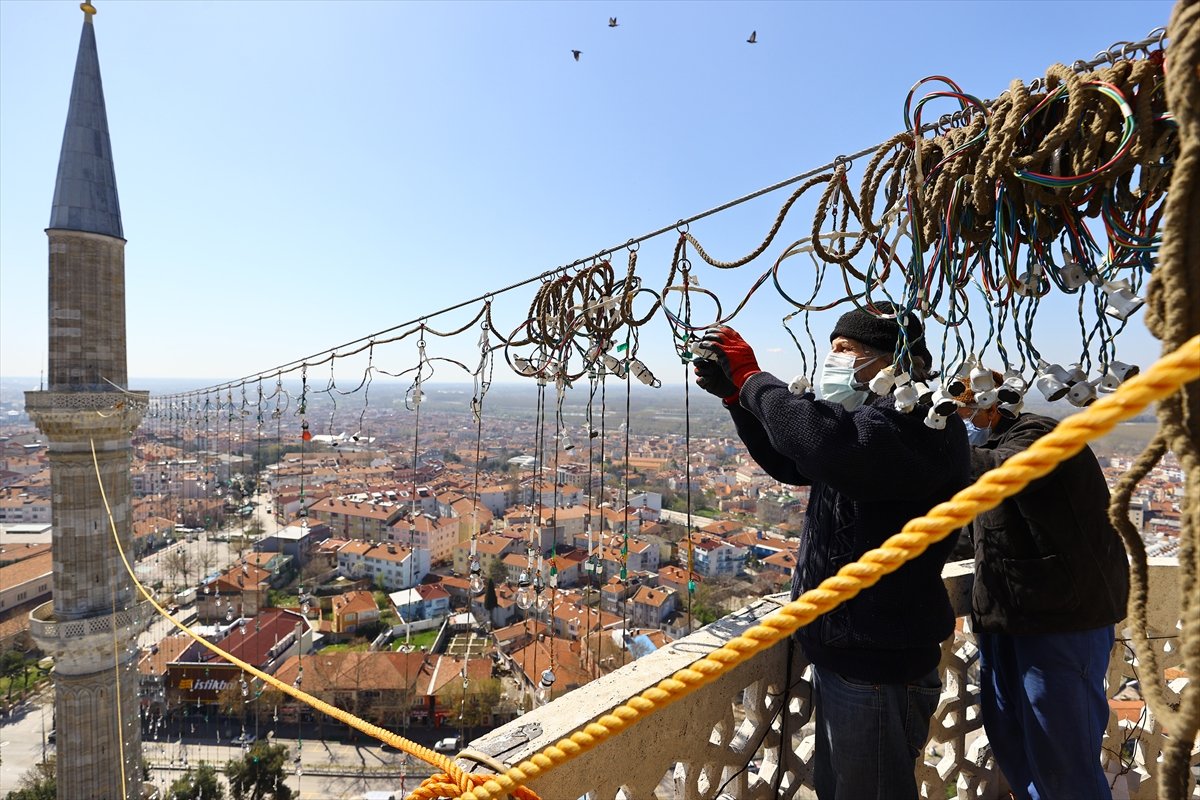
612 22
576 54
753 37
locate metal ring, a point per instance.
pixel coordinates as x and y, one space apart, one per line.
1161 32
844 162
682 227
1080 65
1036 84
633 246
1130 51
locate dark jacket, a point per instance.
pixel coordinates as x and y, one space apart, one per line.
870 470
1047 560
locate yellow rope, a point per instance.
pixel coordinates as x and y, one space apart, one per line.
1165 377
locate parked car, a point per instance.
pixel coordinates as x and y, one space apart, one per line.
451 744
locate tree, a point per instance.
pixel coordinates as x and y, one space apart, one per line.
259 774
200 785
490 601
12 665
497 572
36 784
179 562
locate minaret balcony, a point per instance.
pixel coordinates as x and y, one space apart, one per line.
85 645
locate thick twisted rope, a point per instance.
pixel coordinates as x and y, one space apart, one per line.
1164 378
1173 316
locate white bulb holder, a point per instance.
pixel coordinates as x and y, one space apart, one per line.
982 379
883 381
935 420
524 366
799 385
1120 301
567 444
613 365
1013 389
1082 394
906 398
1051 387
944 403
1075 374
640 371
987 399
1031 284
1071 276
924 392
1117 373
417 397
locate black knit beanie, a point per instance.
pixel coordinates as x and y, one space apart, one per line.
883 333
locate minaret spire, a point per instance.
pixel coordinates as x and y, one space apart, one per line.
85 192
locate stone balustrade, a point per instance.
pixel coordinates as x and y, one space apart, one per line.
723 741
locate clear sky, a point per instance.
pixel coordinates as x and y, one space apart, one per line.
294 176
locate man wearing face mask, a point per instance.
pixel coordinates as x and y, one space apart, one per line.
871 469
1051 579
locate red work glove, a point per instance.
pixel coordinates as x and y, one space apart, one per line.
732 353
712 379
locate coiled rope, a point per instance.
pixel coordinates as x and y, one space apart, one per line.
1164 378
1173 315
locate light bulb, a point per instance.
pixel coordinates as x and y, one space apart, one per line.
544 686
478 585
543 602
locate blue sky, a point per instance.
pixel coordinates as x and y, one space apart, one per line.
294 176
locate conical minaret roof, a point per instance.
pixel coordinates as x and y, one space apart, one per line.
85 191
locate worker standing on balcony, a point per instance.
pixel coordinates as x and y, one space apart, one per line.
871 468
1051 580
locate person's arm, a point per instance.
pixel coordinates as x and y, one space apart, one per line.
774 463
870 453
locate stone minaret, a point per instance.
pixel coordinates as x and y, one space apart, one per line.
91 625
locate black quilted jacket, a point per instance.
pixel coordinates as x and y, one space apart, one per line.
1047 560
870 471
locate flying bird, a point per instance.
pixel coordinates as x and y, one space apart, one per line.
612 22
576 54
753 37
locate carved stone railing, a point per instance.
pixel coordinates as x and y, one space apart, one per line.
79 645
723 740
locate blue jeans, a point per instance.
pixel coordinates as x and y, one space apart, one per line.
869 735
1045 711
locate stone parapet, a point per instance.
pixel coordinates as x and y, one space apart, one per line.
67 417
84 646
742 737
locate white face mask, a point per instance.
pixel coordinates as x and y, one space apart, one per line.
839 382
